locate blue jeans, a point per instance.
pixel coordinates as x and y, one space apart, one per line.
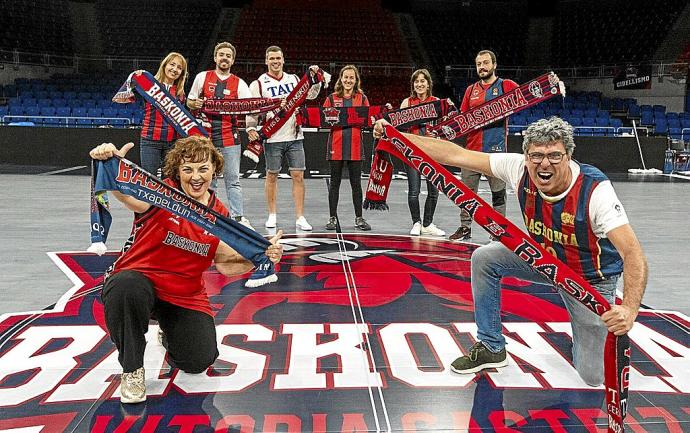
414 184
231 174
152 154
492 262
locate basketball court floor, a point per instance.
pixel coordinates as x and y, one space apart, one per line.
356 336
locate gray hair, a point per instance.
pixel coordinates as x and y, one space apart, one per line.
549 130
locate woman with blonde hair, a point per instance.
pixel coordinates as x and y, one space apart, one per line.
157 135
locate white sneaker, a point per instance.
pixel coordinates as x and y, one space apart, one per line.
416 229
133 386
432 230
271 221
245 222
302 224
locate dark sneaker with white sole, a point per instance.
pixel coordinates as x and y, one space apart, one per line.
478 359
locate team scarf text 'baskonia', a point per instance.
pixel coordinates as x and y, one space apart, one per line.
537 90
119 174
158 96
293 102
616 349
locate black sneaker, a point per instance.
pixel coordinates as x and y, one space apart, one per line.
479 359
332 223
461 234
362 224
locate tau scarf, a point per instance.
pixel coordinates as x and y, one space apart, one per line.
293 101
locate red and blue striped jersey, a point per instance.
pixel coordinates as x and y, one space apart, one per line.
491 138
154 126
345 144
564 228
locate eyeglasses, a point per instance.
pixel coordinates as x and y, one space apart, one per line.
553 157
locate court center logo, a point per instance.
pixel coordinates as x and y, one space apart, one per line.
348 315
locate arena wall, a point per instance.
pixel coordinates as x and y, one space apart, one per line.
68 147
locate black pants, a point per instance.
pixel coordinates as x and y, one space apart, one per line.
129 301
414 184
354 169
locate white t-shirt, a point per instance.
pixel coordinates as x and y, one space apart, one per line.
605 210
267 86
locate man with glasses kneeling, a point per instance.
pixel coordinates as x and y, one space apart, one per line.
573 211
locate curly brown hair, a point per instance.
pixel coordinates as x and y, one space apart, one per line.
192 149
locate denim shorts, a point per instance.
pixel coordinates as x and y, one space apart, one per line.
292 150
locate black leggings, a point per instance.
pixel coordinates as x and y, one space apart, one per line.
354 169
129 301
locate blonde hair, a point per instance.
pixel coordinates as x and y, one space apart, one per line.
181 80
427 75
220 45
340 90
192 149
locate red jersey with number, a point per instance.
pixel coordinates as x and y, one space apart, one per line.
172 253
345 144
154 126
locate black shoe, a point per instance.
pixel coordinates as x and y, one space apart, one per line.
479 359
461 234
332 223
362 224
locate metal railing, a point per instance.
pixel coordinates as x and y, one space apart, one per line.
67 121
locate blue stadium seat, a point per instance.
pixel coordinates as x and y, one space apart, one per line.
634 111
126 113
675 133
63 111
94 112
89 103
589 121
84 122
100 122
109 112
673 122
583 131
79 111
32 111
647 118
121 123
661 128
47 111
16 110
28 102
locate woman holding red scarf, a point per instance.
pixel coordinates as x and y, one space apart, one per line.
345 146
421 87
157 135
